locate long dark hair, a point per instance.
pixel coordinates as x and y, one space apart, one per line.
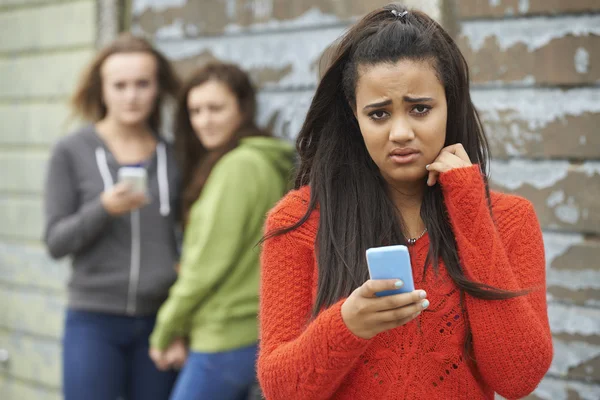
196 162
355 211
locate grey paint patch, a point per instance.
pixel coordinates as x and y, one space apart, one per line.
574 320
263 51
538 107
555 198
532 32
139 6
515 173
557 244
285 110
556 389
568 213
174 31
494 3
523 6
590 168
570 355
582 60
312 18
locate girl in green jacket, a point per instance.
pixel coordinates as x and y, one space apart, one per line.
233 173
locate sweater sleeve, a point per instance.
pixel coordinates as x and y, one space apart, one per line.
299 359
512 341
211 244
70 226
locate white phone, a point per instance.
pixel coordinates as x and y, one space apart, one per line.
136 176
391 262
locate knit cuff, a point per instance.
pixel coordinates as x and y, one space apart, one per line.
340 337
461 179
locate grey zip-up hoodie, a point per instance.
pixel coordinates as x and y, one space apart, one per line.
121 265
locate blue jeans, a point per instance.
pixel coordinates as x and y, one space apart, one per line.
226 375
105 357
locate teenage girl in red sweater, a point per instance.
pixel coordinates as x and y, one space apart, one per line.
393 152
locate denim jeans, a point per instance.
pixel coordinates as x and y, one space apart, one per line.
228 375
105 357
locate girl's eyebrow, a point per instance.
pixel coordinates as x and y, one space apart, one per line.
407 99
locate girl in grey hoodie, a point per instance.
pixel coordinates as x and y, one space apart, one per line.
121 239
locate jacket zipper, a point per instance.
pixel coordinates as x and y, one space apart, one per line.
134 270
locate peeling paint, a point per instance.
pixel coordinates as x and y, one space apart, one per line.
582 60
533 32
494 3
555 389
298 50
523 6
515 173
590 168
192 30
573 320
173 31
286 111
139 6
231 9
262 8
555 198
567 213
574 279
582 140
556 244
312 18
570 355
538 107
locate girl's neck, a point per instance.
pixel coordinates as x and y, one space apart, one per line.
408 200
112 130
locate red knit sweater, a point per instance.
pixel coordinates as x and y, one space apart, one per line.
308 359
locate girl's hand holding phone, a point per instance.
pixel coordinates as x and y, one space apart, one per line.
366 314
121 199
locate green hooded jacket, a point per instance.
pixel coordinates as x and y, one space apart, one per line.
214 301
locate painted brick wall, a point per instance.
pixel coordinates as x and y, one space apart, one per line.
43 47
535 69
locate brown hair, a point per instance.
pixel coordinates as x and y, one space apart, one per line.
87 98
196 162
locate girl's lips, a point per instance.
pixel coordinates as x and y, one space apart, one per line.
406 158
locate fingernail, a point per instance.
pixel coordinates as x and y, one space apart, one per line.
427 166
425 304
399 284
422 294
417 314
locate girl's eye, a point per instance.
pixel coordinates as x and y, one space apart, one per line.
421 109
378 115
120 85
143 83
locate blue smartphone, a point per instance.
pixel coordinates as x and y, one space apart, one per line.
391 262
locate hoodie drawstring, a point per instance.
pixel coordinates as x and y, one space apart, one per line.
103 168
163 180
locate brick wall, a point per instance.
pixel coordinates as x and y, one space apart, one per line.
535 67
43 47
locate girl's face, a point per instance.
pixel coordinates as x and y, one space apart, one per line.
214 113
129 87
401 110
